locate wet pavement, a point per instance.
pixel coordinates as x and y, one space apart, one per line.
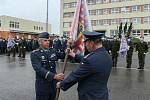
17 80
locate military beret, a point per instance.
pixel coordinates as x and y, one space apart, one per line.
44 35
92 35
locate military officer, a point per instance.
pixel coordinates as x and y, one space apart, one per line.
129 53
43 62
22 47
93 72
115 51
142 48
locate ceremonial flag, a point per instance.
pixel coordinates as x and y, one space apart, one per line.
123 46
81 22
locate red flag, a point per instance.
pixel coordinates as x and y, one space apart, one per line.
80 23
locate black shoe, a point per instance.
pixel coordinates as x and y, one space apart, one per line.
128 67
140 68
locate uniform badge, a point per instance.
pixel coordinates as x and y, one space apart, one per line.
53 55
42 57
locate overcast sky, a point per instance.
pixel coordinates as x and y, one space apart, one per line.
32 10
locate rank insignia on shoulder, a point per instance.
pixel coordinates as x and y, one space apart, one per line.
87 55
35 50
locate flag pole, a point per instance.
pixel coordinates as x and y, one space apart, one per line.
47 18
63 71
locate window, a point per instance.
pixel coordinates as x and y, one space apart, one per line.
97 22
105 1
114 10
16 24
71 14
11 24
114 1
41 28
126 0
105 11
0 23
124 20
98 12
93 22
105 22
147 32
91 12
66 24
125 9
66 14
136 32
136 20
98 1
147 20
114 21
136 8
66 5
73 4
113 32
147 7
90 2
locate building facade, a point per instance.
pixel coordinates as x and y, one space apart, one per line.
20 27
106 16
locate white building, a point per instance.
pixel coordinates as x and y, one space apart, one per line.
21 27
106 15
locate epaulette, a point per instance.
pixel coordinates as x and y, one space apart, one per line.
88 55
35 50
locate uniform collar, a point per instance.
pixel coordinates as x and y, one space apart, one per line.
42 50
99 49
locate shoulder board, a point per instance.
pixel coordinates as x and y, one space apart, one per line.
88 55
35 50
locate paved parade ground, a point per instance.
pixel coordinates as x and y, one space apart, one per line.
17 80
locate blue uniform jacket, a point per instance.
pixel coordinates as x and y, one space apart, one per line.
91 75
43 62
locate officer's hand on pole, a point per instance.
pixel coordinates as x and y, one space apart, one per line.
71 53
59 76
58 85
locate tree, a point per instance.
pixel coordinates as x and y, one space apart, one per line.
125 28
120 30
129 30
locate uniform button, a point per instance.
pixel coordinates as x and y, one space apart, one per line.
49 61
51 67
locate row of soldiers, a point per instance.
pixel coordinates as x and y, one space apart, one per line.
21 45
113 46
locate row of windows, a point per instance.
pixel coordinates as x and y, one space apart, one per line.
92 2
38 28
0 23
134 32
13 24
135 20
136 8
70 5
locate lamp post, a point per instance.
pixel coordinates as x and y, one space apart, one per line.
47 18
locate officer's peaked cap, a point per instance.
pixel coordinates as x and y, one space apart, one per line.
93 35
44 35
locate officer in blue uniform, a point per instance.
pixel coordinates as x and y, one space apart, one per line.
93 72
43 62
